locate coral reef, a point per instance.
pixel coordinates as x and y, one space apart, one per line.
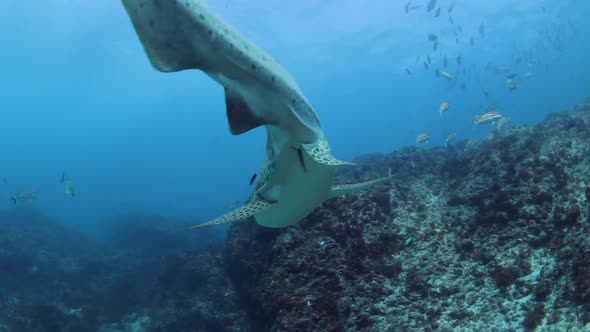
147 274
495 238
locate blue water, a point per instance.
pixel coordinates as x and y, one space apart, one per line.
79 95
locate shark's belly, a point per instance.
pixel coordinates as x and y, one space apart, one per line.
301 192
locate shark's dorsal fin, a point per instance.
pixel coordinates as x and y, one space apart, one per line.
344 189
243 212
321 153
239 115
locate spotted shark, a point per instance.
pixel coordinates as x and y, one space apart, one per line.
297 173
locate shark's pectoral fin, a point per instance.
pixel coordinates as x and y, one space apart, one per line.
250 209
321 153
344 189
240 116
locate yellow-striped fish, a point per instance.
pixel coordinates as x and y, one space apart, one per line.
489 117
446 75
449 139
423 138
443 108
471 144
502 122
24 196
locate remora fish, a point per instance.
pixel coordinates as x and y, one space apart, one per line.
179 35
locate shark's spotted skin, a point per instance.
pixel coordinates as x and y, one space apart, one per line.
322 153
248 210
296 176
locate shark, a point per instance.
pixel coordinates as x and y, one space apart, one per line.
298 171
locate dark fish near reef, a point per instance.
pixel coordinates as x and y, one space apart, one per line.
431 5
432 37
437 13
435 46
459 28
253 178
408 71
428 59
425 65
451 20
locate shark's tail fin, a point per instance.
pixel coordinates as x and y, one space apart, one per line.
243 212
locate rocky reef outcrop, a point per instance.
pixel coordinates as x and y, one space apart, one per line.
491 238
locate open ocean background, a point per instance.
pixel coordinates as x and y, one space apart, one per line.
79 95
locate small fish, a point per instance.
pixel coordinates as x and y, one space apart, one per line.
443 108
502 69
423 138
4 180
253 178
451 7
432 37
488 117
451 20
470 144
425 65
513 75
502 122
449 139
24 196
490 136
471 41
459 60
446 75
511 84
407 7
463 86
435 46
485 92
445 62
431 5
69 186
460 28
428 58
491 107
408 71
528 74
482 31
437 13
